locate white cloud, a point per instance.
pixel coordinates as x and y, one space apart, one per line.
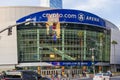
91 4
108 9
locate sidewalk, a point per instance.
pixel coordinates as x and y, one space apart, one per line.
116 74
76 77
70 78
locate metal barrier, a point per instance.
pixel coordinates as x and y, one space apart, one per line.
69 73
51 72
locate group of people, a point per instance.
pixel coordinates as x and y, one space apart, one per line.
84 73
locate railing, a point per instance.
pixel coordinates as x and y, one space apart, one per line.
59 52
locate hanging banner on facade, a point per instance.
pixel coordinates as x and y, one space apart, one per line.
53 27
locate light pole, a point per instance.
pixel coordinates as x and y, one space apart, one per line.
93 59
10 27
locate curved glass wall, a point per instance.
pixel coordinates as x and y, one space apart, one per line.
71 42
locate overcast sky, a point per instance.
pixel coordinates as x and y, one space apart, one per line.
108 9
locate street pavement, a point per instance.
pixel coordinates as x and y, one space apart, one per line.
115 78
112 78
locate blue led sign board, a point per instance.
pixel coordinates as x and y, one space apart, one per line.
66 16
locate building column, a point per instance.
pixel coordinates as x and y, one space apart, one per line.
38 45
63 32
84 44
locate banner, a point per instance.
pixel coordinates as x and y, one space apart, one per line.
65 16
53 27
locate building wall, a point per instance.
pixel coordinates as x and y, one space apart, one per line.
115 56
115 33
8 44
45 3
75 43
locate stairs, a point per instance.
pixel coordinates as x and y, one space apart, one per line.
61 53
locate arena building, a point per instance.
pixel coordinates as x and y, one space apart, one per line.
55 38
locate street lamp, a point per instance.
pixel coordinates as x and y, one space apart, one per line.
9 28
93 59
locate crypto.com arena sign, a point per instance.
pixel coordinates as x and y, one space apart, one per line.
66 16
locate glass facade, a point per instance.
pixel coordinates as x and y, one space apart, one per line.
56 4
76 42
